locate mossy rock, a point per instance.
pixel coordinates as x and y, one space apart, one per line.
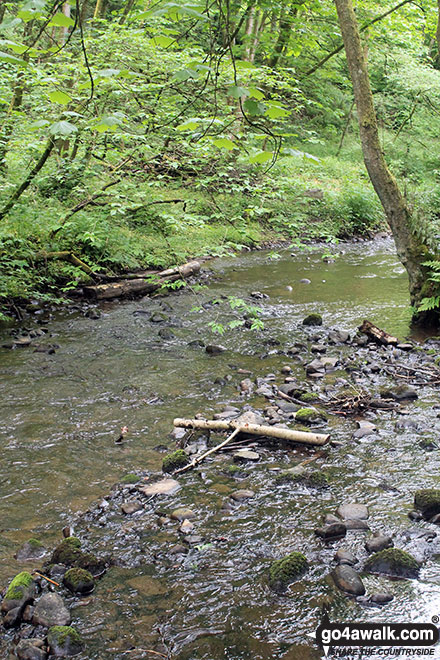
178 459
67 552
21 589
90 562
308 415
309 397
79 581
427 500
313 319
393 562
64 641
284 571
32 549
130 479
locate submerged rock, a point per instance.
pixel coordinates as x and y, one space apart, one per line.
174 461
67 552
284 571
427 501
79 581
31 649
32 549
348 580
215 349
393 562
64 641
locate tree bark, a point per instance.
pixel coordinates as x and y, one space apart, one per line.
285 29
411 252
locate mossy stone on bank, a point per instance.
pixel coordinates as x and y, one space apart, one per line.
284 571
64 641
174 461
313 319
308 415
21 589
393 562
79 581
67 552
427 500
130 479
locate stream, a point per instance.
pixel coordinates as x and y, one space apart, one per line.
61 413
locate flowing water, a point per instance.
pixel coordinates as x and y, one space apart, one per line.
61 414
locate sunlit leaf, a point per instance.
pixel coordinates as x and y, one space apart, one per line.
62 128
236 91
261 157
189 125
59 97
61 20
254 108
10 59
224 143
162 41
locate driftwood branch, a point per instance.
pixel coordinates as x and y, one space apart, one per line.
378 335
143 284
254 429
65 256
200 458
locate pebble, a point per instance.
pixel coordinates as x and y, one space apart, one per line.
186 527
344 556
246 455
382 598
164 487
241 495
131 507
378 542
353 511
182 514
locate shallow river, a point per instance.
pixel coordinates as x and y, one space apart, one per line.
61 414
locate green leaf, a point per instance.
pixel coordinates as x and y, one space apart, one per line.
10 59
236 92
40 123
224 143
256 93
63 128
61 20
243 64
107 73
254 108
189 125
261 157
108 123
162 41
185 74
59 97
277 111
176 11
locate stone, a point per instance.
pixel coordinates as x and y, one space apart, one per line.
357 524
382 598
329 362
186 527
353 511
242 495
31 649
331 532
182 514
312 319
51 611
308 415
427 501
348 580
131 507
378 542
215 349
305 280
32 549
244 455
330 519
64 641
284 571
67 552
399 393
393 562
12 618
247 386
79 581
344 556
174 461
315 367
178 549
338 336
21 591
250 417
166 333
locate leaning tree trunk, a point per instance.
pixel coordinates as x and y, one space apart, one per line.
410 250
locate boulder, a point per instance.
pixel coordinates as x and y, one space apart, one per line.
51 611
32 549
393 562
64 641
427 500
21 591
331 532
348 580
353 511
79 581
284 571
378 542
313 320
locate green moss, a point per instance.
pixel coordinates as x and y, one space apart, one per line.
394 562
315 479
65 637
283 571
130 479
309 397
427 500
18 586
308 415
35 544
67 552
313 319
78 580
174 461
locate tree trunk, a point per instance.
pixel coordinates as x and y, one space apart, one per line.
411 252
437 38
99 9
285 28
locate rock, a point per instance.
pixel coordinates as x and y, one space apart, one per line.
21 591
79 581
315 367
348 580
318 348
286 369
405 347
394 562
12 619
329 362
343 556
22 342
67 552
399 393
427 501
353 511
313 319
164 487
131 507
31 649
338 336
93 313
28 613
331 532
32 549
305 280
250 417
242 495
196 343
166 333
214 349
64 641
378 542
186 527
330 519
182 514
89 562
244 455
247 386
51 611
284 571
308 415
357 525
174 461
362 432
178 549
159 317
382 598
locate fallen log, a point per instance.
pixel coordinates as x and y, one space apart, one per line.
289 435
141 285
378 335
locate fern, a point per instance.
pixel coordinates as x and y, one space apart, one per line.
428 304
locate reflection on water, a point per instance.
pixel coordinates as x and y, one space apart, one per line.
61 414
